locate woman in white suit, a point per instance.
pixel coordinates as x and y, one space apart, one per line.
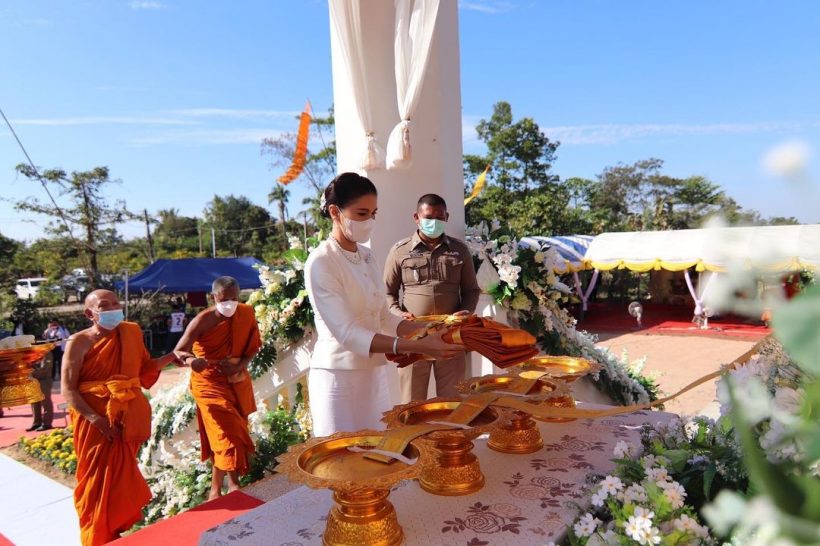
347 381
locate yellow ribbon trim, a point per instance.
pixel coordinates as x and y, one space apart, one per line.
118 389
397 439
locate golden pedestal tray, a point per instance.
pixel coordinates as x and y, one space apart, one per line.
17 387
517 432
456 470
565 368
362 514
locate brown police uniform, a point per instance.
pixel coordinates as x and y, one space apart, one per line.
433 282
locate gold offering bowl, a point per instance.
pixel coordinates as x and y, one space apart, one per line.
517 432
456 470
362 514
566 368
17 387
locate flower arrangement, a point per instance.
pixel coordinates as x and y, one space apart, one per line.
282 308
524 282
640 503
55 447
179 480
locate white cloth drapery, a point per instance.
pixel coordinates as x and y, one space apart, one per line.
414 26
346 19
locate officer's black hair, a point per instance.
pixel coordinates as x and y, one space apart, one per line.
431 199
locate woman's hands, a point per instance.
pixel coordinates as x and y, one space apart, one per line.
434 345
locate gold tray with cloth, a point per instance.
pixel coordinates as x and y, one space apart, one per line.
362 514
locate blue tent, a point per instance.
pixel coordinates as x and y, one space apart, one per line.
570 247
192 275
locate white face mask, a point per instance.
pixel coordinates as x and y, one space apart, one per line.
226 308
356 231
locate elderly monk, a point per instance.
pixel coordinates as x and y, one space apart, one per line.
104 368
218 345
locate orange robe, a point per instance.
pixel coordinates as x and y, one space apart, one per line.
222 407
110 490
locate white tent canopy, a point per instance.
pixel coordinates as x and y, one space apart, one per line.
769 248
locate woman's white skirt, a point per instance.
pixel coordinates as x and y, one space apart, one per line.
348 400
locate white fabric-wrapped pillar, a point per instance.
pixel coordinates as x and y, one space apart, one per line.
346 27
415 23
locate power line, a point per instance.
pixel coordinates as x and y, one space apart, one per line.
40 178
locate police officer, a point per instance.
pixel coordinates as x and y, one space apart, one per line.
435 275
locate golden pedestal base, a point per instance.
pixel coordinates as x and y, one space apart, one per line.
362 517
17 387
518 435
456 472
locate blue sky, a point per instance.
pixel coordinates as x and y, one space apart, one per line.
175 96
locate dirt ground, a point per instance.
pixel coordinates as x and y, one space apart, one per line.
40 466
679 360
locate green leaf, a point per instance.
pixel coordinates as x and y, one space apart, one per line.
708 477
797 325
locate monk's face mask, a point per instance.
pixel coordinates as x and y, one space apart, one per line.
226 308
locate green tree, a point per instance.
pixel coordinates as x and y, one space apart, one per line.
521 190
280 194
177 236
241 227
8 275
88 210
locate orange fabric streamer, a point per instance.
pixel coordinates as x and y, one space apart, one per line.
300 153
478 186
503 345
222 405
110 490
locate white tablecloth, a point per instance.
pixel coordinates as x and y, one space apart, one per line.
527 499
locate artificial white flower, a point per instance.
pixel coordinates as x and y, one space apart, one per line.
295 242
598 498
622 450
674 493
586 525
611 485
658 475
634 493
637 524
650 536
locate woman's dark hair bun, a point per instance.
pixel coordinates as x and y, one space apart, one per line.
344 189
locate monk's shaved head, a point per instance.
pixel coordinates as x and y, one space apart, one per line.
223 284
96 298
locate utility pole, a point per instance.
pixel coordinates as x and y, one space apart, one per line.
304 224
213 242
148 235
199 232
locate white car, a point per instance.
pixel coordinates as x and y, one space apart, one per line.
29 287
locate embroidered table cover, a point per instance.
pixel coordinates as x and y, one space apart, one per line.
527 499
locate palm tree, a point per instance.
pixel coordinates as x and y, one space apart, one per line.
280 194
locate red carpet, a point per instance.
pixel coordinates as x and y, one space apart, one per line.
667 320
17 419
185 528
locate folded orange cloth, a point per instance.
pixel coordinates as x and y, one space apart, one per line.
503 345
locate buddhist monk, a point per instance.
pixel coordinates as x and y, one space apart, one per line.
218 345
104 368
